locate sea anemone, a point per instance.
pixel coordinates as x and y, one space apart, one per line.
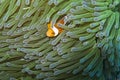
36 45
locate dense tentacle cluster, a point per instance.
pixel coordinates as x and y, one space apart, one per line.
87 49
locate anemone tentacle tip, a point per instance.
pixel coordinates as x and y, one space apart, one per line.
59 39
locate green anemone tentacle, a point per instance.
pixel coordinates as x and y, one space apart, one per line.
87 49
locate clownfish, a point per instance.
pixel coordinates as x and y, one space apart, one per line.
54 30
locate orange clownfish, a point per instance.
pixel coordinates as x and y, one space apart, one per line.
55 29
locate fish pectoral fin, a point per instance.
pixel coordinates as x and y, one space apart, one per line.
50 33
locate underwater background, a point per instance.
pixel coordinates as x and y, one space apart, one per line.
59 39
